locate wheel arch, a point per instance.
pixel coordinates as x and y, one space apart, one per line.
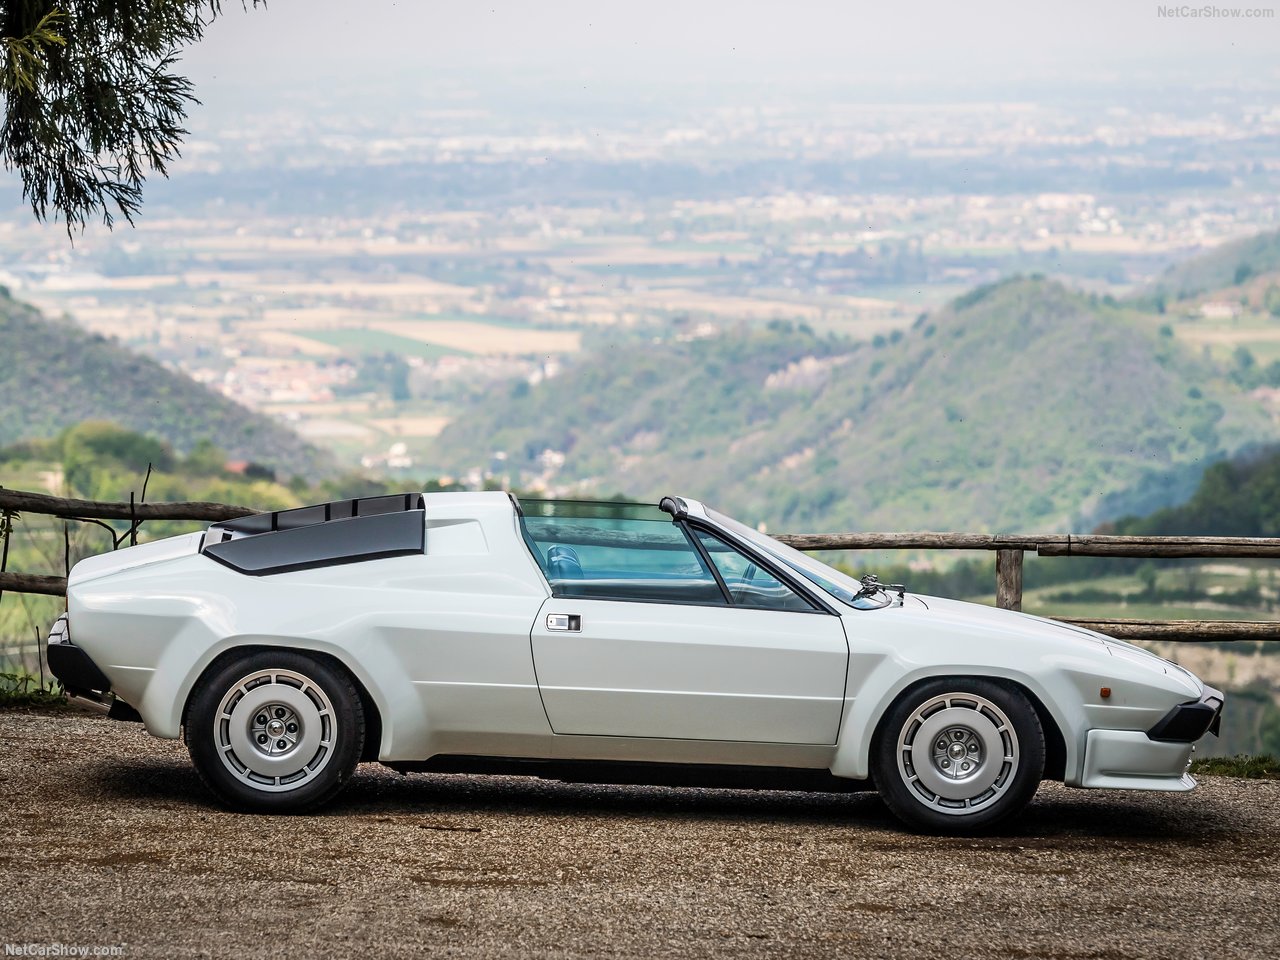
862 728
1055 745
369 706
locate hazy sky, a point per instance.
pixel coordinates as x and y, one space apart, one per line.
629 45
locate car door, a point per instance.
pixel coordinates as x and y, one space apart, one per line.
645 637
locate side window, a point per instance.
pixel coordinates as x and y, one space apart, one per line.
750 585
620 559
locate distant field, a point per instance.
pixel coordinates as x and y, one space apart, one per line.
486 319
1257 331
1205 579
321 428
466 336
293 341
1230 336
366 340
716 247
411 426
404 287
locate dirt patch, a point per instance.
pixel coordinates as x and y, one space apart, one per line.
108 838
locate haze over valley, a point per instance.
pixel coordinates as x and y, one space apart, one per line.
379 268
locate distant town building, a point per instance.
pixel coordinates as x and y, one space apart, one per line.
1219 310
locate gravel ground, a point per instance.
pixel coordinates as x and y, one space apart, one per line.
107 837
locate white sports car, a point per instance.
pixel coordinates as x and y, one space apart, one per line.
601 642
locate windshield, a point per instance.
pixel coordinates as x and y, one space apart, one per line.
840 585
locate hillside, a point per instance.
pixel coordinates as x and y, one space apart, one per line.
1020 406
1230 265
1239 497
54 375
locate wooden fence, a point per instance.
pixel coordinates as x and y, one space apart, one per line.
1009 550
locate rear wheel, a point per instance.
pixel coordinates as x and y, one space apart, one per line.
959 754
275 731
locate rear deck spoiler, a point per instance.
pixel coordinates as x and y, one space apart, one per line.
338 532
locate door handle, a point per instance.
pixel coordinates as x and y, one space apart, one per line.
570 622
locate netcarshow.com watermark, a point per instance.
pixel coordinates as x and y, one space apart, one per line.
1186 11
63 950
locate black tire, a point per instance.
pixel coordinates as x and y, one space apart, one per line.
275 731
959 754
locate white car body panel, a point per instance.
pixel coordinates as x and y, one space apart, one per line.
1127 760
452 647
689 672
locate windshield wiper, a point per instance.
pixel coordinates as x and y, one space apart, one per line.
871 586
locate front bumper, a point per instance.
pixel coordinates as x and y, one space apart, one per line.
1188 722
1156 759
77 673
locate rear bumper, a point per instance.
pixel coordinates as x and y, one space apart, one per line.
74 669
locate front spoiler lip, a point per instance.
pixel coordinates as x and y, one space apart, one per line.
1188 722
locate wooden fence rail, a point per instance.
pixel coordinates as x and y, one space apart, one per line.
33 583
19 501
1009 549
1047 545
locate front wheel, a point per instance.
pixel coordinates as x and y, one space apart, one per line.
275 731
958 754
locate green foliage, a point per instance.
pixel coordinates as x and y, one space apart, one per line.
973 297
92 103
1271 300
963 578
206 457
1147 574
351 485
25 55
383 373
1249 375
24 690
56 375
1265 767
85 444
1248 597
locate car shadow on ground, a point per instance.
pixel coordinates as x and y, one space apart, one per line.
1057 814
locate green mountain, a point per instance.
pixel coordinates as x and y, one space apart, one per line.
54 375
1022 406
1230 265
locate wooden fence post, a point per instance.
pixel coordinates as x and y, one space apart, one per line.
1009 579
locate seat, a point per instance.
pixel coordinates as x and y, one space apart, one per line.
563 563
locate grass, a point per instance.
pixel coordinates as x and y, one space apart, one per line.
24 690
379 341
1264 767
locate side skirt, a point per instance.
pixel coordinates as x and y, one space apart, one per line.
627 773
